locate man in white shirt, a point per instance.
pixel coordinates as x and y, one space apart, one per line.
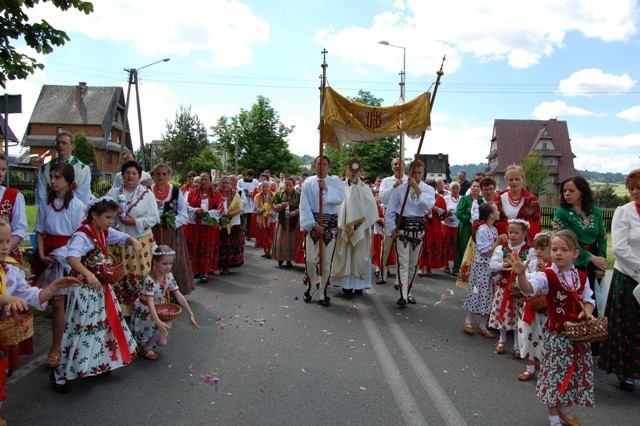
65 144
408 232
245 188
320 232
387 185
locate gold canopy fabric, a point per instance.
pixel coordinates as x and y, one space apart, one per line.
347 121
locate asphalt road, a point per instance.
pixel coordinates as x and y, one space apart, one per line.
263 356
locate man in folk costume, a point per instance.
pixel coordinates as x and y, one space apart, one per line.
387 185
408 230
317 233
65 144
352 266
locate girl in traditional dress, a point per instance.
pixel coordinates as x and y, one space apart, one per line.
96 338
480 290
58 216
466 212
506 309
203 237
148 329
532 324
263 203
286 205
138 213
13 289
231 235
566 370
173 216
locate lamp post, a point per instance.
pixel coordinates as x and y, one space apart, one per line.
133 79
402 79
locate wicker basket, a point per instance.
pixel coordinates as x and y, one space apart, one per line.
538 302
15 329
167 311
592 331
515 291
114 273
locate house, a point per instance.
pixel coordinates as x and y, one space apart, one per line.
513 140
98 112
436 166
11 137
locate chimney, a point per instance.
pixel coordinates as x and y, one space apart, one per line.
81 89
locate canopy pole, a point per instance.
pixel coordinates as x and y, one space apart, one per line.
439 73
323 89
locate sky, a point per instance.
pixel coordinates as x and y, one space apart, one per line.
572 60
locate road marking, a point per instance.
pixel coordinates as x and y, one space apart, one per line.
408 406
27 368
443 404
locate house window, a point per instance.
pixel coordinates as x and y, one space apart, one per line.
59 130
107 157
551 161
545 145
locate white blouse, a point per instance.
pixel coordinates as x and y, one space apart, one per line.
17 286
625 240
142 205
65 222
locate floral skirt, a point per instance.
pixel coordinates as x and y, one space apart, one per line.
480 291
376 249
620 353
127 290
203 243
182 271
264 236
432 255
532 337
231 247
90 346
465 265
449 237
508 318
562 361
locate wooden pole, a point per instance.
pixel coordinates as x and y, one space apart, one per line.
323 89
440 73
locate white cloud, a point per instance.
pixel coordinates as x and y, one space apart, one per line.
224 28
606 153
555 109
498 30
592 81
631 114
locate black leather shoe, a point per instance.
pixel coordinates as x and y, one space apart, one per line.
58 387
325 302
627 385
289 265
204 279
380 280
401 302
411 299
280 263
358 291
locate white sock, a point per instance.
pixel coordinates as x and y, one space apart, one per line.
531 368
483 322
503 336
554 419
469 318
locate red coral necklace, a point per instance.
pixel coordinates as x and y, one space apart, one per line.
514 201
161 195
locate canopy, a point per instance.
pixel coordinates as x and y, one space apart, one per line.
347 121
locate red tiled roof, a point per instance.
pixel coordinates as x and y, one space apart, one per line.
516 138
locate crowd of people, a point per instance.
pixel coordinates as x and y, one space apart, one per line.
346 233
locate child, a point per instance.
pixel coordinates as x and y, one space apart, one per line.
480 292
59 215
532 324
13 289
148 329
566 370
96 338
506 310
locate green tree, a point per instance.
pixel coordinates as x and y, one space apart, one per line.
605 196
258 138
536 174
203 162
38 35
84 150
184 138
376 156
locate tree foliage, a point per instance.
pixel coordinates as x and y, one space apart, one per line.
258 138
40 36
203 162
376 156
184 138
605 196
536 174
84 150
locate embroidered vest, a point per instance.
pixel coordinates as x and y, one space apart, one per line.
563 303
7 203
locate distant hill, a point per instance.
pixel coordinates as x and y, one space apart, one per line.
472 169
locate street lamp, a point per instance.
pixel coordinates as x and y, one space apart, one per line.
133 79
402 79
